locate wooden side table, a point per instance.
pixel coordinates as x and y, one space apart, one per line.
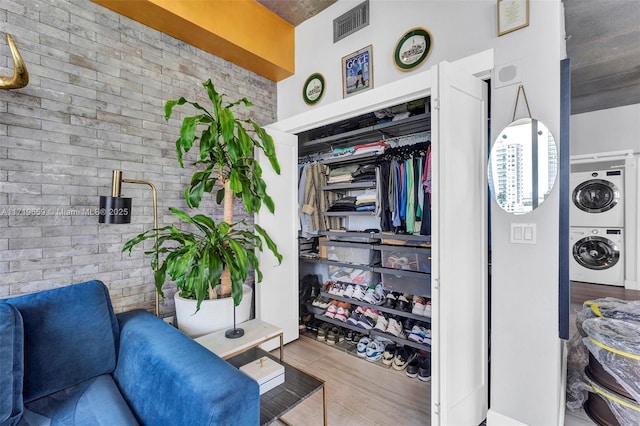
256 332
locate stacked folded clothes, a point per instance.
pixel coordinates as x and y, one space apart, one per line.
345 204
365 173
352 173
374 147
342 174
366 202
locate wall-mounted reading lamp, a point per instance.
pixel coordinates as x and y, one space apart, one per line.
116 210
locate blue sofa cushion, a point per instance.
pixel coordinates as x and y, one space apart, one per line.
11 364
184 383
70 336
94 402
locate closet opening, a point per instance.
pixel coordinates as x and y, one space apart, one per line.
364 187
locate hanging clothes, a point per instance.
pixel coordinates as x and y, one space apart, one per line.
317 201
425 227
396 221
304 225
410 215
384 208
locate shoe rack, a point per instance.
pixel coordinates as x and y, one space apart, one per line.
384 256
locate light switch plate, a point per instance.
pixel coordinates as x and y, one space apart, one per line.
523 233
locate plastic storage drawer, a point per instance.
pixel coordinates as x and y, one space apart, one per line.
406 281
353 253
407 258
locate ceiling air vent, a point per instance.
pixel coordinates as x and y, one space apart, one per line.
351 21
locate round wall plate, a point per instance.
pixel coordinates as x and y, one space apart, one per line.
412 49
313 88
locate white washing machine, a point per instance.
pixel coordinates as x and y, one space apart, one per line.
597 197
597 255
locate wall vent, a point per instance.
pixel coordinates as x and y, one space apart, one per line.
351 21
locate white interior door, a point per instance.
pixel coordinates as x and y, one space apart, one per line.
459 238
277 294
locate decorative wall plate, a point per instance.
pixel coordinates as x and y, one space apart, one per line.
313 88
412 49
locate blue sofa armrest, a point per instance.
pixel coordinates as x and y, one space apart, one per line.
169 379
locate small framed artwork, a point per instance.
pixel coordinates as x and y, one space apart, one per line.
512 15
313 89
357 72
412 49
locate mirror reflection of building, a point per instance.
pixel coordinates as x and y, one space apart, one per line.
523 166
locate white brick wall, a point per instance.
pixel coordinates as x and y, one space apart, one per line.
94 103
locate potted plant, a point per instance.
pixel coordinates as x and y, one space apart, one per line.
205 259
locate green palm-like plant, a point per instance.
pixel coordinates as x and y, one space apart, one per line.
221 253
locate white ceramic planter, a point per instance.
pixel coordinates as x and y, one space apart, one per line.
213 315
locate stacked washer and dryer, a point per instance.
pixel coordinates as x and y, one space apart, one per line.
597 223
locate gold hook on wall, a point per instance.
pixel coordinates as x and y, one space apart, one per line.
20 77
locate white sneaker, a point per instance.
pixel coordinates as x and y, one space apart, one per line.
331 312
382 323
418 306
420 334
427 309
374 296
348 292
362 346
374 351
358 293
395 328
342 314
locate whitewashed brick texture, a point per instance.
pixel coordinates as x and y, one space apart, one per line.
94 103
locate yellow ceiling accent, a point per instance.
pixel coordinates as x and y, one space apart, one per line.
241 31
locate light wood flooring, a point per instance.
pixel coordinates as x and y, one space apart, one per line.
358 392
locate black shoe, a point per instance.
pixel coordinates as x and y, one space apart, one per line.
412 368
424 369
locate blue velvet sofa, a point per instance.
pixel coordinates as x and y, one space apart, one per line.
66 359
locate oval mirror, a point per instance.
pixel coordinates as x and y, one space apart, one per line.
522 166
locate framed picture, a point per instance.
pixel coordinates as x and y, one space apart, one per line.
357 72
313 88
412 49
512 15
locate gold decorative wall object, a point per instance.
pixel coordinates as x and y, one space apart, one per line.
20 77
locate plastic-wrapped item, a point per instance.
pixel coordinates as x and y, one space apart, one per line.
624 410
577 360
610 307
616 345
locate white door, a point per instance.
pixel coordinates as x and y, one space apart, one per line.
277 295
459 391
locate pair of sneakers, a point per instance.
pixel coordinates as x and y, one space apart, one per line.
338 310
420 334
374 295
371 349
421 306
355 292
403 357
395 328
420 367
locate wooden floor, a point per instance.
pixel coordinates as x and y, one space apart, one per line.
358 392
584 291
